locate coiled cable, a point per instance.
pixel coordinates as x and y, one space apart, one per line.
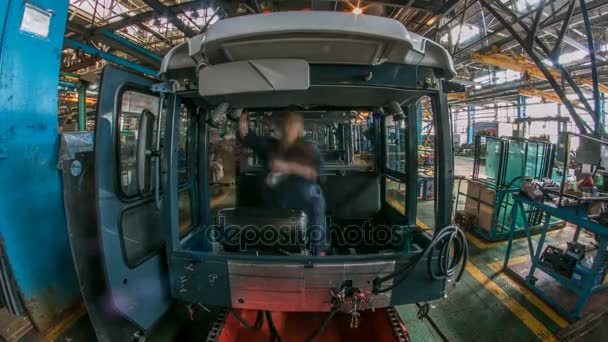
453 251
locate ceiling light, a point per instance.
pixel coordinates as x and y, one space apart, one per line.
357 10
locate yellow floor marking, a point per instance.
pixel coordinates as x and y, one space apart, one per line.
523 290
67 322
401 208
479 243
497 266
516 308
482 244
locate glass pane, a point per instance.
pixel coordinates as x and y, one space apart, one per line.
363 142
183 144
132 105
223 160
396 144
184 213
492 159
395 195
141 232
427 168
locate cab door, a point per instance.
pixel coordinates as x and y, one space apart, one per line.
129 215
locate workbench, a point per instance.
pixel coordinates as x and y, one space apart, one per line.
590 282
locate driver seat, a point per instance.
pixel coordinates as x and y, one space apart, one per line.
255 228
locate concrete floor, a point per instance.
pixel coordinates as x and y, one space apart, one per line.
486 305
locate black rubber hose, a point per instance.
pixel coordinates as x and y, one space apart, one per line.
257 325
326 321
274 333
446 237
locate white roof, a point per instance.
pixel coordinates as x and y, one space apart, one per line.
314 36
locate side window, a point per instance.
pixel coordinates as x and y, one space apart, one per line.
132 105
363 140
425 192
395 194
223 159
396 160
395 144
185 172
183 166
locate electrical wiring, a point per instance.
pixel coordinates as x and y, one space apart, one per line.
257 325
337 305
449 239
274 333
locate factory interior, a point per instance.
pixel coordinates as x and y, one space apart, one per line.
454 148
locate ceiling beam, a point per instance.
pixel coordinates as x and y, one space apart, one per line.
114 41
171 15
149 15
548 23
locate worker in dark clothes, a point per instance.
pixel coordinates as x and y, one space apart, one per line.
291 169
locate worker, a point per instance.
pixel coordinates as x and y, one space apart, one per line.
291 169
217 169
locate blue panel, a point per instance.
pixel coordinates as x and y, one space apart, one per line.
32 222
3 18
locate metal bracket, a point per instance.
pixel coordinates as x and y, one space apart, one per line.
164 87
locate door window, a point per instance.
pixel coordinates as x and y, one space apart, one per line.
132 105
395 144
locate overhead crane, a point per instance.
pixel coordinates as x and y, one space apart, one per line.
458 96
550 96
524 65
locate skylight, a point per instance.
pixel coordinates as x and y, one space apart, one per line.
502 76
466 31
105 9
521 6
569 57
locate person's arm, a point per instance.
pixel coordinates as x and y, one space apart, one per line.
308 171
293 168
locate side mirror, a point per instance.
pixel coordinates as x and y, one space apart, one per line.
145 143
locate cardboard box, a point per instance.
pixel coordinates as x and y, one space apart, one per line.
485 217
473 189
471 206
487 196
479 203
472 202
478 191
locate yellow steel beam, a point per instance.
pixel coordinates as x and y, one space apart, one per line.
524 65
588 82
545 95
458 96
515 63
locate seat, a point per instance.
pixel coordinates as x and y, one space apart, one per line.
254 228
352 196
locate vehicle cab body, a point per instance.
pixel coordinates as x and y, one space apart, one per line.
357 80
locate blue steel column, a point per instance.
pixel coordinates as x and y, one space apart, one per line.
470 118
32 221
82 106
598 127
